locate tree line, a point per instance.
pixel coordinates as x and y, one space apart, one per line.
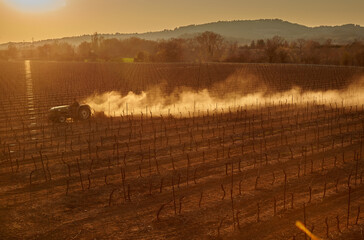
204 47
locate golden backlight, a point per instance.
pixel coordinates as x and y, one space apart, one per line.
36 5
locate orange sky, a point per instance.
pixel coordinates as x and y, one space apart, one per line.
19 22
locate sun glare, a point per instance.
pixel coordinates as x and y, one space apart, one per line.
36 5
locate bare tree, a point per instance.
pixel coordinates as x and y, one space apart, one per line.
210 45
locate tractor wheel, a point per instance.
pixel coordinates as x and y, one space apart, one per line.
62 119
84 113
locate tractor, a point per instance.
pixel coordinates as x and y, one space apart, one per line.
60 114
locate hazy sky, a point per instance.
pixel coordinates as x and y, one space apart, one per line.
42 19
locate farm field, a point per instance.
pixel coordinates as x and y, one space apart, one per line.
210 151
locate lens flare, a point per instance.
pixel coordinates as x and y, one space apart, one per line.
305 230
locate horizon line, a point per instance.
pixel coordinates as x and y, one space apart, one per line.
176 28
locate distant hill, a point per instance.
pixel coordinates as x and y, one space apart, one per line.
242 31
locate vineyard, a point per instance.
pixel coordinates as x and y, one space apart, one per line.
238 166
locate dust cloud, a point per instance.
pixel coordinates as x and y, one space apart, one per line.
247 93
